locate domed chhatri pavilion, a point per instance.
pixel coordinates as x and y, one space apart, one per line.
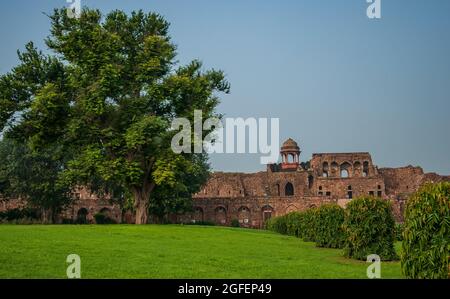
290 154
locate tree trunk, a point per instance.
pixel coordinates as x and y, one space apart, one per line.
141 204
47 215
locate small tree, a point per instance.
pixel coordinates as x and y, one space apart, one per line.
426 235
329 231
369 228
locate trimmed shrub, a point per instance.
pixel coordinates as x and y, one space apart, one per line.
294 223
426 235
309 226
329 219
277 224
369 228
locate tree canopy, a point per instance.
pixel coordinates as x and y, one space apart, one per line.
109 91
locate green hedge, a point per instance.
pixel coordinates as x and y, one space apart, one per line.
309 226
329 233
17 214
426 236
298 224
277 224
369 228
294 224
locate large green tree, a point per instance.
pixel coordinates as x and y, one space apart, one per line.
110 90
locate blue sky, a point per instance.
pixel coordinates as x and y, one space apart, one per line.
338 81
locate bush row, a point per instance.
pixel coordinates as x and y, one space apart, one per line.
365 227
321 225
19 214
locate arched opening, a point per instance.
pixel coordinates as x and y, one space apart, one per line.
221 215
365 169
289 189
325 169
310 181
345 170
244 216
82 216
106 212
198 214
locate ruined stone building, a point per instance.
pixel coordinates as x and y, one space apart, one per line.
293 186
252 198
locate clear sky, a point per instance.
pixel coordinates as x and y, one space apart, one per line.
338 81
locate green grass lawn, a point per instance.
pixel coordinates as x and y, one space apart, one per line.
170 251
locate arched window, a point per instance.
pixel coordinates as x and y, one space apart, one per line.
289 189
345 170
325 169
365 169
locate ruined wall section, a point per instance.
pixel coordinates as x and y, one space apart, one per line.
342 188
249 211
403 181
334 164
